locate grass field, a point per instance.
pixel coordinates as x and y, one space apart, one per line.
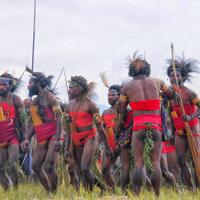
33 191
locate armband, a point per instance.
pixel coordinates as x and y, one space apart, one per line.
97 118
165 88
123 98
57 110
196 101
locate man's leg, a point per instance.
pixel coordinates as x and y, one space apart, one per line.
13 155
166 173
138 173
156 156
173 165
3 161
125 159
89 150
38 159
181 150
49 166
106 167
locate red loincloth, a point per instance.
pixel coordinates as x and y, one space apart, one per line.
109 120
47 130
167 147
147 121
79 138
151 104
178 121
110 124
8 133
82 119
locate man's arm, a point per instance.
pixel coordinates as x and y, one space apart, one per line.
58 117
57 113
196 101
99 124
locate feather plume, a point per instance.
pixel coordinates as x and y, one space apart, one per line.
104 79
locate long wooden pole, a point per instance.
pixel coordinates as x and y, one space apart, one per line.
192 143
33 43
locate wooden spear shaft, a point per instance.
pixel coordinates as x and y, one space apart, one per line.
191 141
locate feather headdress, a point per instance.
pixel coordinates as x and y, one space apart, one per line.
186 67
104 79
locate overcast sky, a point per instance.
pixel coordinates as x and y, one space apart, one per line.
90 36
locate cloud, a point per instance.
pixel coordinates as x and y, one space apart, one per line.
87 37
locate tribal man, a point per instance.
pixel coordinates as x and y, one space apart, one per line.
142 93
84 115
46 118
184 68
11 116
109 119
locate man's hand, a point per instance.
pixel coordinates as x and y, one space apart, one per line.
187 118
25 145
57 146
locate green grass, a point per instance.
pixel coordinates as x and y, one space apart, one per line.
32 191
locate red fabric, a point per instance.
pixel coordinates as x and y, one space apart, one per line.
178 121
110 124
128 119
151 104
79 138
167 147
109 120
7 131
8 109
111 138
141 122
47 130
81 119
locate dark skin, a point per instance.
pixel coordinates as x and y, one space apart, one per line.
9 153
84 154
144 88
169 177
181 142
45 155
171 157
107 162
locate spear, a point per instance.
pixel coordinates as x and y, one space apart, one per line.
192 143
66 84
58 78
33 44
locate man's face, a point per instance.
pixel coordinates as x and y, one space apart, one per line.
173 80
113 96
74 91
33 89
4 89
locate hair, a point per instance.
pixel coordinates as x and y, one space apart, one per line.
81 81
115 87
14 83
144 67
185 66
45 82
87 88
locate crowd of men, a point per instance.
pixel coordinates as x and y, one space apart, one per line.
144 130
